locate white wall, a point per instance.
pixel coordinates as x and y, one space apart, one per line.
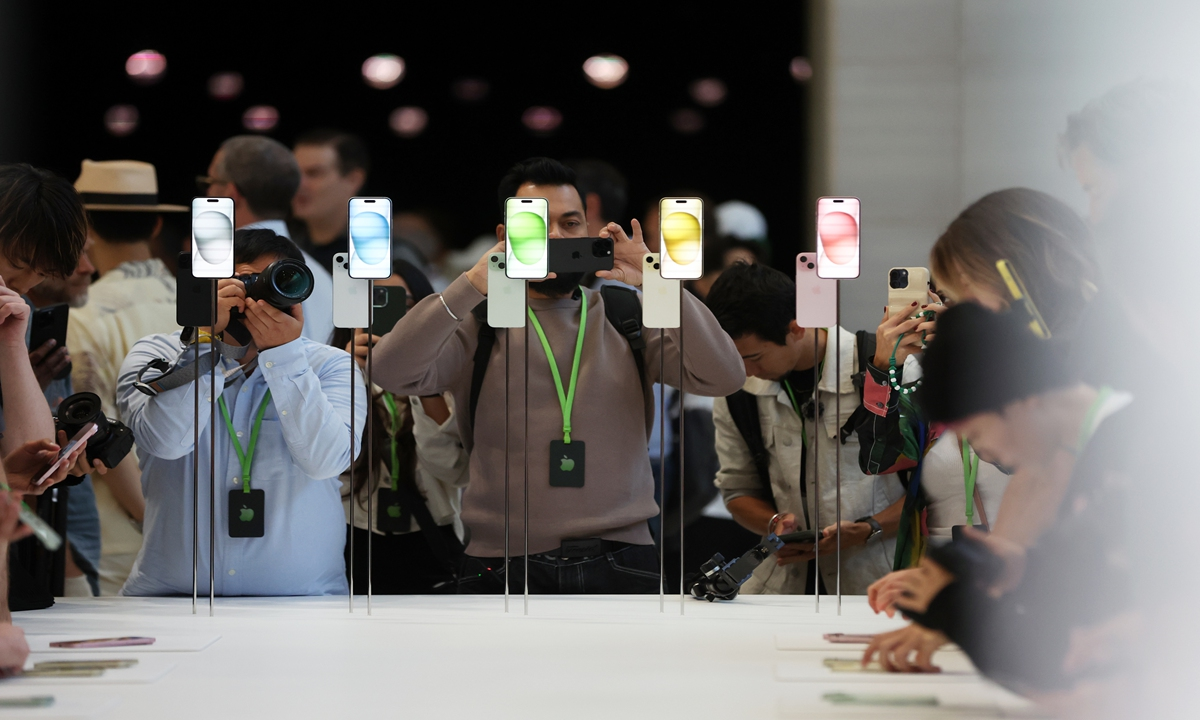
934 103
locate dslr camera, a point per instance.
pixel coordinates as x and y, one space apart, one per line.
281 284
112 440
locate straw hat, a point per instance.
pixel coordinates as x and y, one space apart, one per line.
121 185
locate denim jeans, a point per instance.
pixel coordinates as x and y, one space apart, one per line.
627 570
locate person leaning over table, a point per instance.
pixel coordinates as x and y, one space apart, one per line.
285 408
592 538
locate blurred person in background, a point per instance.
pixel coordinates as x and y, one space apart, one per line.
262 176
605 191
82 555
134 297
416 240
333 168
742 222
420 462
756 306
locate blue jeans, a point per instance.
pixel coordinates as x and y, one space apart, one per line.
630 569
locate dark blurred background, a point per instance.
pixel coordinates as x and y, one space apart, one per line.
66 68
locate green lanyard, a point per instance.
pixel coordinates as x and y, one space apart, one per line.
245 457
970 472
1088 428
567 399
392 412
796 406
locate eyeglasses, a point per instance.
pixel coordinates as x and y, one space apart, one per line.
204 181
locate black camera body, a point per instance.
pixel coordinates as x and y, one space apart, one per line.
112 440
720 580
281 284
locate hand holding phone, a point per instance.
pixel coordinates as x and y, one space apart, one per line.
69 453
50 361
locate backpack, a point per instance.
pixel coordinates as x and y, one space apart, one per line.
621 307
743 409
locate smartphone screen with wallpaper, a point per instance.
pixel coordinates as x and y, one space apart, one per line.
370 238
681 227
526 238
212 237
838 237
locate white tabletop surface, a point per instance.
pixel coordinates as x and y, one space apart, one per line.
462 656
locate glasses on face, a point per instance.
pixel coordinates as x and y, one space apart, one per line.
203 182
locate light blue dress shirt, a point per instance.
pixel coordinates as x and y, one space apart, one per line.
318 308
303 447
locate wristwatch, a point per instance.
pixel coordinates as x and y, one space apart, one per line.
876 528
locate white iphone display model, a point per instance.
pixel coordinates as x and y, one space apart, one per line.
506 296
681 238
660 296
370 238
816 297
351 306
526 237
212 237
837 237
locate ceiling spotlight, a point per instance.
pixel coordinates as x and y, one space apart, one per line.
470 89
383 71
541 119
687 121
226 85
606 71
408 121
146 67
121 120
801 69
260 118
709 92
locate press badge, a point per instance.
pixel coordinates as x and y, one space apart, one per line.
246 510
566 463
391 516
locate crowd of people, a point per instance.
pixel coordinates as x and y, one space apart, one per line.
988 471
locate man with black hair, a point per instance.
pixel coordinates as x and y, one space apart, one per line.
588 528
333 169
262 177
134 297
756 306
282 441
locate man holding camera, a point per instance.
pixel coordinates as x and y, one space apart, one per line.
587 520
282 439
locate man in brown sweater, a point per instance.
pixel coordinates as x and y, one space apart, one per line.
589 539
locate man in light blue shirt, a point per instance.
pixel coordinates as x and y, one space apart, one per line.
302 446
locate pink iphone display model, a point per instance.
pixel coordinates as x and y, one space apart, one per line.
816 297
81 437
103 642
837 237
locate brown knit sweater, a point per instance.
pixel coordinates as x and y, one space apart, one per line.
430 352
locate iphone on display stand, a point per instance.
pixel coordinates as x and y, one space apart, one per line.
526 240
350 306
907 285
838 237
660 297
681 238
816 297
506 295
370 233
212 237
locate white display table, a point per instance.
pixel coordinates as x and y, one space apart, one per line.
463 657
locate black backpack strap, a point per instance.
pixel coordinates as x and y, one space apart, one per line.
743 409
865 342
447 551
624 311
483 355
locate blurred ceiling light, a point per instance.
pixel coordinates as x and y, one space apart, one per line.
709 92
226 85
801 69
541 119
260 118
383 71
146 67
470 89
408 121
606 71
121 120
687 121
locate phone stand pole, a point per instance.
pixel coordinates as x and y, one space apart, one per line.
353 499
662 475
525 457
212 463
507 509
196 479
837 438
816 444
370 424
682 455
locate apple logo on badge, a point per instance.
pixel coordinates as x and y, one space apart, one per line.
246 515
566 464
393 511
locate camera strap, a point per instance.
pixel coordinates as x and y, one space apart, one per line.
172 376
245 457
565 399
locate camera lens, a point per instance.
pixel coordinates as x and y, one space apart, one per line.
811 266
898 278
292 282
